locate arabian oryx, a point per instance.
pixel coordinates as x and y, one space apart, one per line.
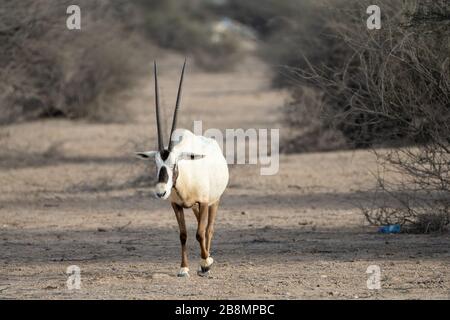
192 173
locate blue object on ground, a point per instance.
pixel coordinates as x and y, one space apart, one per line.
392 228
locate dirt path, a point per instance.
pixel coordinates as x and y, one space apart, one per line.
71 194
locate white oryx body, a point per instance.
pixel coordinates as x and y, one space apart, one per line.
192 173
203 180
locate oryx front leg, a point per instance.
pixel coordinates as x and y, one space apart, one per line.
206 261
179 213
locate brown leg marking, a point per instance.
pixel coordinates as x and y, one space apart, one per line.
210 228
201 229
179 213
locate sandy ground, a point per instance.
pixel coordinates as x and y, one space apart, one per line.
72 193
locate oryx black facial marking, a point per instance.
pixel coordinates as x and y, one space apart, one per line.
163 176
164 154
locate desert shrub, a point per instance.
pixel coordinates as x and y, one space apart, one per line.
296 34
390 81
413 188
353 87
287 29
188 27
47 70
311 131
394 89
329 48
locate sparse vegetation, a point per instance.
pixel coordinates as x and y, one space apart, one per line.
49 71
353 87
392 88
189 27
311 131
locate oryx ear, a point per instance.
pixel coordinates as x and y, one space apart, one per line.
190 156
146 155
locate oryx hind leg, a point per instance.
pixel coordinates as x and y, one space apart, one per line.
206 216
202 218
212 212
179 213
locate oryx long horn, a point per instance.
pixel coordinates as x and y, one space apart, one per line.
177 106
158 118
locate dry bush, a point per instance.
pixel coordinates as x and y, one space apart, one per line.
219 55
413 188
371 80
294 34
47 70
308 127
394 89
354 87
287 31
188 27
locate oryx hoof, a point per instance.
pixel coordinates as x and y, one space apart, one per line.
205 266
183 273
202 273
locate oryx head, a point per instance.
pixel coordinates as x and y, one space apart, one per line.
166 158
